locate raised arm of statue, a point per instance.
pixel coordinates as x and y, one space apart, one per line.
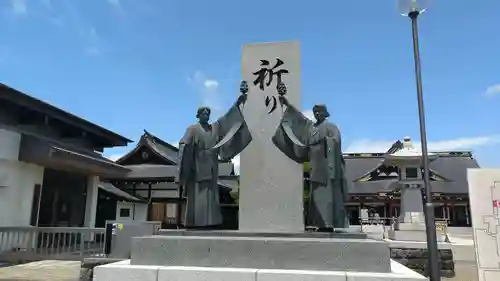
292 135
232 132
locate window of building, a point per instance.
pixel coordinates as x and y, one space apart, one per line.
124 212
412 173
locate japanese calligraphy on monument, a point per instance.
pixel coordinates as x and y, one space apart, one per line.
264 78
268 178
484 196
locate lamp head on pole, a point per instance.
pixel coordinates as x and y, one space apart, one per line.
410 8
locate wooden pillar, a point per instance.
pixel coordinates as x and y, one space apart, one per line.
385 210
55 209
467 219
150 203
450 210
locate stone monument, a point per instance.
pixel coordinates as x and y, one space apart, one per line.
484 196
271 243
271 184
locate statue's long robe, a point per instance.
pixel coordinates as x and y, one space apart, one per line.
199 152
302 140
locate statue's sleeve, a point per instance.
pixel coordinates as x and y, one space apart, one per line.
292 135
186 162
232 133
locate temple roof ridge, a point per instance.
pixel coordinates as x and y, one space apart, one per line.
407 149
156 139
159 147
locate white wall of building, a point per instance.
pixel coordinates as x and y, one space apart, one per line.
10 142
136 211
17 182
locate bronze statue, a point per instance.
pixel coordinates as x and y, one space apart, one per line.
319 143
199 152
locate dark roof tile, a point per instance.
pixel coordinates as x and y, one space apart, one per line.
453 168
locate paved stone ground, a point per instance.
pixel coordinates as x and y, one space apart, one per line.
42 271
70 270
464 272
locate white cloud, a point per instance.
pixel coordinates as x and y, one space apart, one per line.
92 41
367 145
208 90
114 157
211 85
493 90
236 162
373 146
114 2
19 6
93 51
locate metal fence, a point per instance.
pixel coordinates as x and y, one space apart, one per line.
386 224
23 244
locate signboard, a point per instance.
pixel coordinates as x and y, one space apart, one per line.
484 196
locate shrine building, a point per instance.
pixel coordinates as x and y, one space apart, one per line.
50 164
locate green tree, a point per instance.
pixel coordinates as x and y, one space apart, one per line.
235 194
307 168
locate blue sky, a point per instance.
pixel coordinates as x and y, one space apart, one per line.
130 65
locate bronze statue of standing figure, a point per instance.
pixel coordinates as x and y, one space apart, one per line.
318 143
199 151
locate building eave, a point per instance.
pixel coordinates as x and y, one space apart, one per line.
50 153
24 100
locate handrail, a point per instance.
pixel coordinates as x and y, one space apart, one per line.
59 243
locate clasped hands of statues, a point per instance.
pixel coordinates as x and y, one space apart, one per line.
281 88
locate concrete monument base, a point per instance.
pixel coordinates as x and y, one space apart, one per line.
301 251
127 272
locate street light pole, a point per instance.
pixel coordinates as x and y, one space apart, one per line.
430 224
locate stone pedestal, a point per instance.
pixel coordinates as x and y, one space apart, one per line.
304 251
412 207
412 232
411 221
